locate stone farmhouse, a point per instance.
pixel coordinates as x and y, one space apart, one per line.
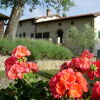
3 20
54 28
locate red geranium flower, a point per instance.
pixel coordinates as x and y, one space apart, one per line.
16 71
20 52
16 65
65 65
86 54
33 66
81 64
94 70
96 91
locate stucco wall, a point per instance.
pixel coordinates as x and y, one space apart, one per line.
26 27
52 27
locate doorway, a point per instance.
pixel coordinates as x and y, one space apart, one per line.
60 36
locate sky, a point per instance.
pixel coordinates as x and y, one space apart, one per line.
81 7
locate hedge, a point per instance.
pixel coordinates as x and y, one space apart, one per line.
40 49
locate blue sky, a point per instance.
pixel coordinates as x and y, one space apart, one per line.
81 7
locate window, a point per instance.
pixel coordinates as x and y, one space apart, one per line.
99 34
46 35
24 34
32 35
20 35
38 35
92 23
72 22
16 35
98 53
59 24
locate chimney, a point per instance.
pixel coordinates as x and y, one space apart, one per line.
48 12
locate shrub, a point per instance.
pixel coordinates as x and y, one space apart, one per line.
40 49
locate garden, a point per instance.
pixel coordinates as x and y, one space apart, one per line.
78 78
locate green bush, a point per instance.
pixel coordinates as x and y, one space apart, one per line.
40 49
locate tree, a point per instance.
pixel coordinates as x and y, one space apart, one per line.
87 38
84 39
18 7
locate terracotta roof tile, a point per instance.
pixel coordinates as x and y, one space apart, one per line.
35 18
72 17
2 16
62 18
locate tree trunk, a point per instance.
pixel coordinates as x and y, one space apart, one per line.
14 19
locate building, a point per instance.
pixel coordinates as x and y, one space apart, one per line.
3 20
54 27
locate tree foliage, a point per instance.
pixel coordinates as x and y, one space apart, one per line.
18 7
59 5
84 38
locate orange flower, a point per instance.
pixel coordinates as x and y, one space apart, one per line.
75 91
68 78
82 81
67 82
20 52
60 88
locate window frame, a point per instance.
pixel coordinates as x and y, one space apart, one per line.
37 35
46 35
99 34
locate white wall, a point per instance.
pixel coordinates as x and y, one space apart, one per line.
97 28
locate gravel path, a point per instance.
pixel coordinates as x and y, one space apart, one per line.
4 82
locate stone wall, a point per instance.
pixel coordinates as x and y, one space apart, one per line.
43 64
2 59
49 64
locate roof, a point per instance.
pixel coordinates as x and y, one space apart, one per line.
36 18
27 19
61 18
3 17
74 17
48 16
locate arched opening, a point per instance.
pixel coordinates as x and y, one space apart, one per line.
60 36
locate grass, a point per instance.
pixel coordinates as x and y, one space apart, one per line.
46 74
42 74
2 74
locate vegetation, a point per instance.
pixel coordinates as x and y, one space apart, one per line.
37 86
39 49
84 39
19 5
41 93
